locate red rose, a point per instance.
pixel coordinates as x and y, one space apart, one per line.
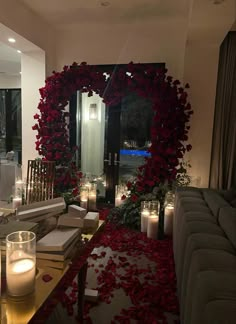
134 198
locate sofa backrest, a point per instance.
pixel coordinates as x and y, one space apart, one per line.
214 201
227 221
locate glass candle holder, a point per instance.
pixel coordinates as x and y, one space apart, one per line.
145 213
16 202
19 187
92 196
154 207
84 197
20 263
169 213
120 192
152 225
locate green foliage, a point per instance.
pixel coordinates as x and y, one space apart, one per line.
128 214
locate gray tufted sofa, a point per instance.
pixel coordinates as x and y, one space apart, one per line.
204 243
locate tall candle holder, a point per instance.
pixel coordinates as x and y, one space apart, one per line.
84 197
169 213
92 196
20 263
154 206
145 213
120 192
152 224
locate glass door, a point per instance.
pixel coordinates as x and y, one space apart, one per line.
127 138
112 140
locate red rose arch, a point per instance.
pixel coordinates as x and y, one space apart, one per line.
169 131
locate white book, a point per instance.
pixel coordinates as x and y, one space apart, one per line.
42 263
71 221
91 219
57 240
41 208
58 255
74 210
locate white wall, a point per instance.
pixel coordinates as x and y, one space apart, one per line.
33 76
92 136
10 82
201 66
154 41
26 23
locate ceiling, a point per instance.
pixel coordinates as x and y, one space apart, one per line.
206 16
62 13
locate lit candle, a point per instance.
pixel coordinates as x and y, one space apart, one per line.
118 201
144 220
92 196
168 220
84 203
152 226
19 186
20 277
16 202
20 263
84 197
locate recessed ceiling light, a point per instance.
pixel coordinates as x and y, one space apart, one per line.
20 72
105 3
11 40
18 51
217 2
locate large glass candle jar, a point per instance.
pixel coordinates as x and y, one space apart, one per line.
145 213
20 263
120 192
84 197
92 196
154 206
152 225
169 213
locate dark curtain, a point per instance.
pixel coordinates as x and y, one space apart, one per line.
223 155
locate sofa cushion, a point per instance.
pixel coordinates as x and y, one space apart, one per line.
204 260
185 232
227 221
201 241
215 201
214 298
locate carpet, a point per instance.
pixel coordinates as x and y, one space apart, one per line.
140 269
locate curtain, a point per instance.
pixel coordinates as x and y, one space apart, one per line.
223 155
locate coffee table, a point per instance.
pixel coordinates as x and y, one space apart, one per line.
23 310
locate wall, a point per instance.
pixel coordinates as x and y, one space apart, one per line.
27 24
33 76
10 82
154 41
201 66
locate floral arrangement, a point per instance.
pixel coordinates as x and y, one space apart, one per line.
169 131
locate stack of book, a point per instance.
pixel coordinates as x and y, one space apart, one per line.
56 248
39 211
89 221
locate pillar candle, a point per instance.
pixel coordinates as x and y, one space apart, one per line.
92 201
152 226
118 201
84 203
16 202
144 220
168 220
21 277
